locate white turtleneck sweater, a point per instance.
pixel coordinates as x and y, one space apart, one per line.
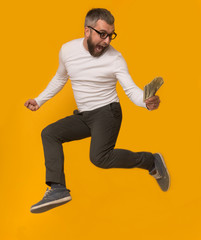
93 79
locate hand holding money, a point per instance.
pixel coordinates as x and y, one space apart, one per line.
152 101
151 88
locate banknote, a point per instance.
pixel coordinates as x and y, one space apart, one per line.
151 88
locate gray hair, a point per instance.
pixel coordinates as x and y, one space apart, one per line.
98 13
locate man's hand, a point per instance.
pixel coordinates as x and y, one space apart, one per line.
32 105
152 103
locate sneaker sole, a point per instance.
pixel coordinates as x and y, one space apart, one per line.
167 174
47 206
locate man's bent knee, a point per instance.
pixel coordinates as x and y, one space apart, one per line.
100 162
47 131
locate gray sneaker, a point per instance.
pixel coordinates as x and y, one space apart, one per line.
160 172
53 197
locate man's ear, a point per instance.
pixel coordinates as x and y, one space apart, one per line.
87 32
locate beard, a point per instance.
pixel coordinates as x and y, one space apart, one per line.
93 47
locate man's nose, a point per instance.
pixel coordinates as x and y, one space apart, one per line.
107 40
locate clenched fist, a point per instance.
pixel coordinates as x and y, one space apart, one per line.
152 103
32 105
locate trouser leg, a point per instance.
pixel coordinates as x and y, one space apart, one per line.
104 131
64 130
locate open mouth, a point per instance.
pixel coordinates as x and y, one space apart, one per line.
99 48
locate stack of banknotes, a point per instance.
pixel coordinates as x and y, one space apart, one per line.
151 88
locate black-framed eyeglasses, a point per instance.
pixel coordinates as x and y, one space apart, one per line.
104 35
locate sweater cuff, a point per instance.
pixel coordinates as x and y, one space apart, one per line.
40 103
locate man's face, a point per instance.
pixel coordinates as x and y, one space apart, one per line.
96 45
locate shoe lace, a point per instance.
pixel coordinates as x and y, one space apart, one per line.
48 191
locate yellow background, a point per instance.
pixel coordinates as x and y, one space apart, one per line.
157 38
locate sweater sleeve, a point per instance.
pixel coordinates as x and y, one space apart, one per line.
56 84
134 93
